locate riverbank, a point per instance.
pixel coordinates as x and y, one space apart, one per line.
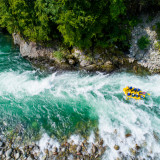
55 58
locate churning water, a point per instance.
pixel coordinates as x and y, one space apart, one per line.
75 104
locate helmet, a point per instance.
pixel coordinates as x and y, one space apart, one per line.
130 87
142 97
133 95
138 89
136 95
128 94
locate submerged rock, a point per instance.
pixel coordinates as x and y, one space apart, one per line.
116 147
137 147
128 135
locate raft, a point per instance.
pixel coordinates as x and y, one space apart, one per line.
135 93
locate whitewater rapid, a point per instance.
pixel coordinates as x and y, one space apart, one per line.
54 104
101 94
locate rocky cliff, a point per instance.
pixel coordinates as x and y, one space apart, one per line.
54 58
150 56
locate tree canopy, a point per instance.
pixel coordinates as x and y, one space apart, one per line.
81 23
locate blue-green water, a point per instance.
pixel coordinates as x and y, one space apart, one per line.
74 103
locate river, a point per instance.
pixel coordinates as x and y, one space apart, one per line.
77 105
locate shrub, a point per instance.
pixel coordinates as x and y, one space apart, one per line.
153 27
59 55
143 42
157 46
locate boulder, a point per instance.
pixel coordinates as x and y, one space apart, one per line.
128 135
107 63
85 63
71 61
91 67
108 66
77 52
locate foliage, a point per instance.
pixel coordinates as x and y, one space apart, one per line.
80 23
154 27
143 42
59 55
157 46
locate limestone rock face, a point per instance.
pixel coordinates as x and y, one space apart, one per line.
31 49
16 38
150 56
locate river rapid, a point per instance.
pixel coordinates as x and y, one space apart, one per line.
78 105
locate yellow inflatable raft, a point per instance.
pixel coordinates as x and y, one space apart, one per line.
134 93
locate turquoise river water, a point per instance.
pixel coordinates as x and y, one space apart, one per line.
77 104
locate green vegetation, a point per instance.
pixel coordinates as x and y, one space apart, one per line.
59 55
143 42
157 46
156 28
81 23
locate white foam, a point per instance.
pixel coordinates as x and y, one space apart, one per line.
76 139
47 143
104 94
